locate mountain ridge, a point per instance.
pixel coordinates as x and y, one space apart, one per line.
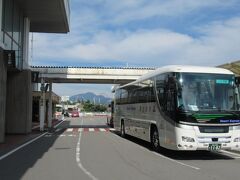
92 97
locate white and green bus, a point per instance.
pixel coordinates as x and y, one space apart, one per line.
181 108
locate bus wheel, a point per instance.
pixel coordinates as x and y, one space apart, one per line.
122 129
155 139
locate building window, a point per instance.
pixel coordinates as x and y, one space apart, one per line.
12 29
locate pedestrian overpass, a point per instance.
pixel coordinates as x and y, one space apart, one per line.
103 75
96 75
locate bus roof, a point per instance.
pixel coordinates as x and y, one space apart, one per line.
183 68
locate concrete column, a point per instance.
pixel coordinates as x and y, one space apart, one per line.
3 87
50 106
42 105
26 43
19 102
35 86
1 13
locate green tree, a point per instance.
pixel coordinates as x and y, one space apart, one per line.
90 107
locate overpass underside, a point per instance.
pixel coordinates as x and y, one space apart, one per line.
88 81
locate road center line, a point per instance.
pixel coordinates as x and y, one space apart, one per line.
78 159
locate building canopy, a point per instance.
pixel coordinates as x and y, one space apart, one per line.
49 16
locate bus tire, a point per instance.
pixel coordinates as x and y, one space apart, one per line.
155 144
122 129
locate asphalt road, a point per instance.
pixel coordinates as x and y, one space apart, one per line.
86 149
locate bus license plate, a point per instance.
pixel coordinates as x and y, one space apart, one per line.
214 147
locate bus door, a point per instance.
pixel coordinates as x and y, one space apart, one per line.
166 93
170 110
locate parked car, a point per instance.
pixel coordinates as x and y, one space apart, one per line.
75 114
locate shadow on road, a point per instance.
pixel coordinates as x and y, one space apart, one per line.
16 165
182 155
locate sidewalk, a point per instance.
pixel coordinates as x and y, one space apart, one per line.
14 140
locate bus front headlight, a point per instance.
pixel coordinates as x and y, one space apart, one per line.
187 139
236 139
236 127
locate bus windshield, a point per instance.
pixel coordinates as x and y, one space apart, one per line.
201 92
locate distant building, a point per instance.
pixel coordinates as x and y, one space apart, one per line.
65 98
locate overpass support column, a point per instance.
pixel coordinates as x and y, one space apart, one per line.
42 105
19 102
50 106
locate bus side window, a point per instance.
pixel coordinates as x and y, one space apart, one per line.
160 90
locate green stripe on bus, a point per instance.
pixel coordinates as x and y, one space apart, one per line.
210 116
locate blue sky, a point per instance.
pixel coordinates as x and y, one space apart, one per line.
142 33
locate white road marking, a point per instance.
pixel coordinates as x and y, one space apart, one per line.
178 162
69 129
232 153
67 135
80 129
91 129
78 159
58 129
22 146
102 129
58 124
35 127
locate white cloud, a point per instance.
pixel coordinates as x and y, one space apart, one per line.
219 42
124 11
90 16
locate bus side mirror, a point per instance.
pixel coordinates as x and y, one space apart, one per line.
237 80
